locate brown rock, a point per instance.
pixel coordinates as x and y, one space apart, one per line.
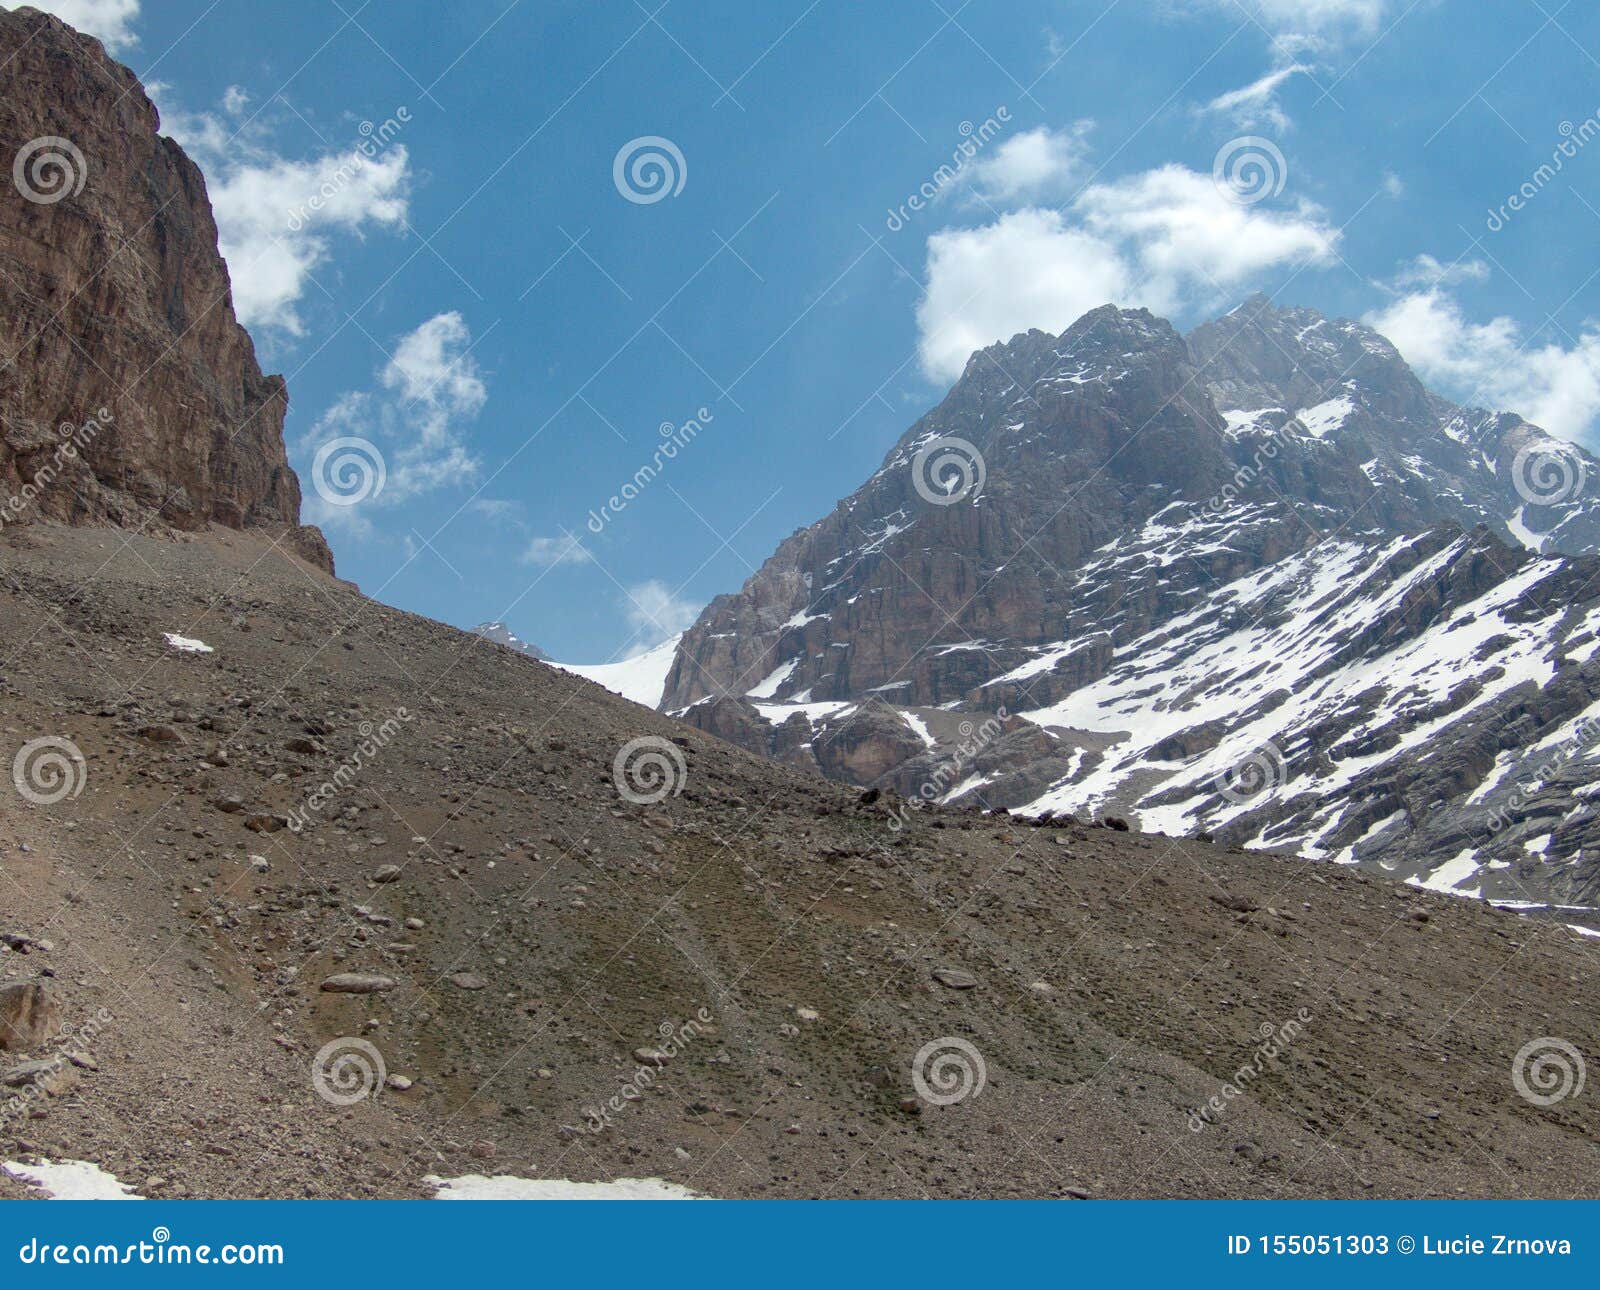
30 1012
54 1076
357 983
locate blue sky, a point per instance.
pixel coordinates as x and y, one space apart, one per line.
438 234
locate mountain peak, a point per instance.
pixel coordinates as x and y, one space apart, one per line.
499 634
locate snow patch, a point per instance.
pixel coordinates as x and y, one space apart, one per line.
921 727
187 644
1325 416
769 688
506 1187
70 1180
1449 876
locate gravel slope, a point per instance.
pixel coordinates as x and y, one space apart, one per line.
782 931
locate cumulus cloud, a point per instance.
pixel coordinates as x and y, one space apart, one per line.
656 612
1494 364
553 551
418 416
277 216
109 20
1033 166
1029 268
1169 239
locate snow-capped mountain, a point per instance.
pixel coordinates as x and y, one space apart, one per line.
642 678
1257 582
500 634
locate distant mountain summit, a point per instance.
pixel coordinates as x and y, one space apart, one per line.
500 634
1257 581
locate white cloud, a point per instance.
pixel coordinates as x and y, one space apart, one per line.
1493 364
1256 104
1184 230
553 551
1168 239
1302 24
110 20
1037 164
1322 17
497 510
432 370
429 391
1426 271
1027 269
276 216
655 612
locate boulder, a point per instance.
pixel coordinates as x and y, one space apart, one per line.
30 1013
357 983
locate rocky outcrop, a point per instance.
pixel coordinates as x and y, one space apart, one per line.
128 391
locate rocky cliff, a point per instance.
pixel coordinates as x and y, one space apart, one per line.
128 391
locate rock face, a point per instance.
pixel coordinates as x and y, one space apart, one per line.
127 390
1256 582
